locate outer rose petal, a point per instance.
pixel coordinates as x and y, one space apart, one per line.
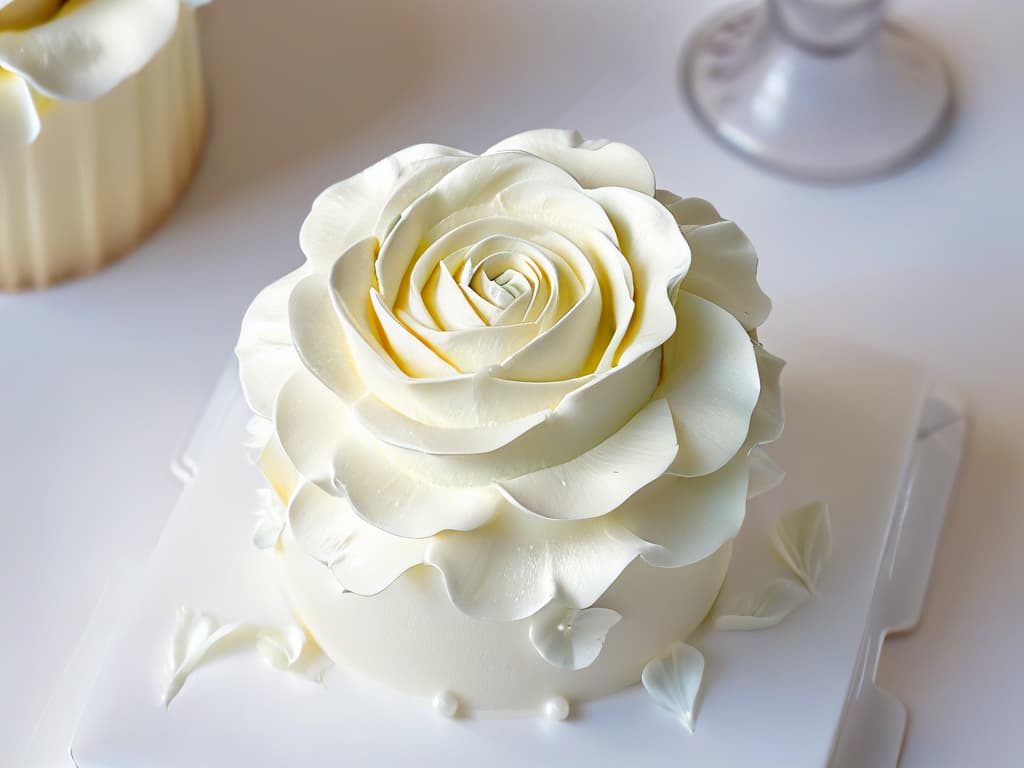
711 381
88 48
601 479
364 559
349 211
765 474
681 520
724 267
767 420
265 353
320 340
594 163
566 433
514 565
19 120
329 448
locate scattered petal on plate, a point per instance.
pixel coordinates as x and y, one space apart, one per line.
803 539
673 681
290 649
763 609
196 634
572 639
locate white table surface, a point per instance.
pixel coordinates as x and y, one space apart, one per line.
102 379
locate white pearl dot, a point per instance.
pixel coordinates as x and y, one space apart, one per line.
446 704
556 708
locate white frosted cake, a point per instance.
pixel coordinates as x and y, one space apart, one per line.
510 409
102 120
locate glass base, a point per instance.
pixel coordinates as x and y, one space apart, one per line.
819 116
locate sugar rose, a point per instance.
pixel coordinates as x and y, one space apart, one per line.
525 368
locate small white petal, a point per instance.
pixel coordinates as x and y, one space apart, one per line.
571 639
280 648
196 636
763 609
673 681
803 539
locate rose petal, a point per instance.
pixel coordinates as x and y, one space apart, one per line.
514 565
562 351
763 609
658 257
724 268
681 520
407 350
765 474
330 449
711 382
565 433
449 303
601 479
88 48
469 192
397 429
767 420
19 120
364 559
265 352
691 210
351 280
349 211
593 163
571 639
320 339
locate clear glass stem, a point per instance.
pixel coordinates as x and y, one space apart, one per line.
825 90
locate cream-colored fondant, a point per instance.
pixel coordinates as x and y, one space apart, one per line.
411 638
103 173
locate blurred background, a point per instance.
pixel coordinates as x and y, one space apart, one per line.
103 378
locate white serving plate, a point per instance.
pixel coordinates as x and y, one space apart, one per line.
866 432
